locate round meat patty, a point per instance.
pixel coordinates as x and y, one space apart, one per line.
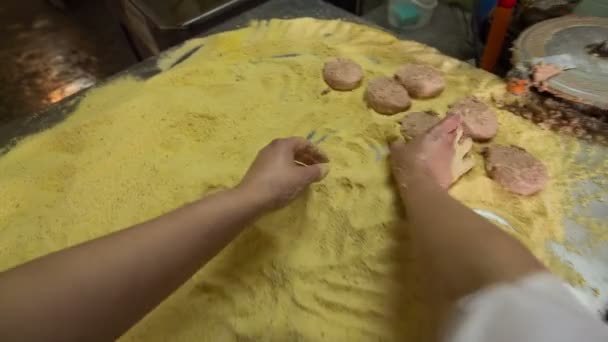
478 119
515 169
421 81
342 74
416 123
387 96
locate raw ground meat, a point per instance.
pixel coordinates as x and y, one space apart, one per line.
342 74
542 73
515 169
421 82
416 123
387 96
479 120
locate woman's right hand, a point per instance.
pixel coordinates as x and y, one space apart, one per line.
438 154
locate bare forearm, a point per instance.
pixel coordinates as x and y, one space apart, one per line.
97 290
465 251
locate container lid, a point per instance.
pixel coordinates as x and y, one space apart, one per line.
574 36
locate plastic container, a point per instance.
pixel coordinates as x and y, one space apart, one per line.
410 14
595 8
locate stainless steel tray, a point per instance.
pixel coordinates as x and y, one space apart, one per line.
179 14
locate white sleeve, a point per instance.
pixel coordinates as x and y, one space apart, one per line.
536 308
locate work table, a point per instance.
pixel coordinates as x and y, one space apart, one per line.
590 263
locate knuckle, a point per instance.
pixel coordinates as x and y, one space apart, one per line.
276 143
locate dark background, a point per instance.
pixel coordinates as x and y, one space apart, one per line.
50 49
46 52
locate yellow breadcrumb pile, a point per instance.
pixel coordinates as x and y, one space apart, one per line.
327 266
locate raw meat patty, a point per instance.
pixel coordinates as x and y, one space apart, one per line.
478 119
515 169
416 123
421 82
387 96
342 74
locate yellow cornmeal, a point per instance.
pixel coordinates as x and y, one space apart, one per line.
324 267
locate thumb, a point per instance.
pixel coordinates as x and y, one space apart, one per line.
313 173
449 124
397 146
448 130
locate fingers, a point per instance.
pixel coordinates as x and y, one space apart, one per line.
292 144
462 146
461 166
449 124
459 134
397 146
313 173
312 164
315 162
310 155
300 149
448 130
461 163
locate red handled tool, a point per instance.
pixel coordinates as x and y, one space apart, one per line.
501 20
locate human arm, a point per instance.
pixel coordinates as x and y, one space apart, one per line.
99 289
462 251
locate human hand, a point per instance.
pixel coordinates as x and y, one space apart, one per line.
439 154
283 169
